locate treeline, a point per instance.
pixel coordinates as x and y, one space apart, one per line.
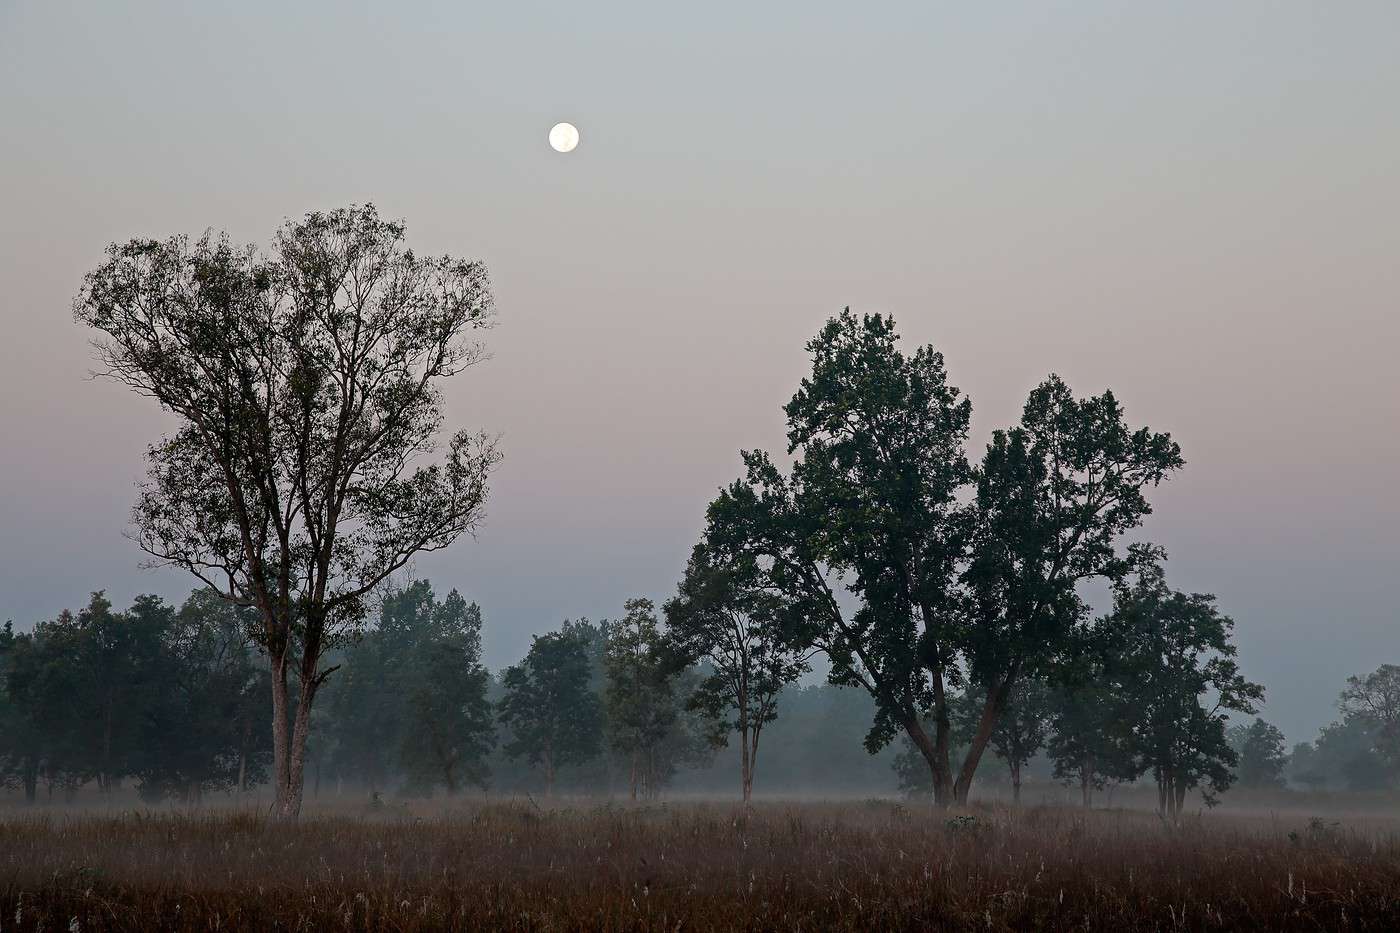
175 699
176 702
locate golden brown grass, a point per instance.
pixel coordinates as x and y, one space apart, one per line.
695 866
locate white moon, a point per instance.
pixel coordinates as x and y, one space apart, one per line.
563 137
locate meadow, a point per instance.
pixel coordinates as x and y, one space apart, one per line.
696 865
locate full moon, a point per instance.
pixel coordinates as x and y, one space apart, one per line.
563 137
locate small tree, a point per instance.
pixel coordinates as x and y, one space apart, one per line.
1375 700
448 729
641 698
305 384
554 717
1262 754
1021 730
722 617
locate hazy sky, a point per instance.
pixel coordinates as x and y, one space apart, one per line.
1195 204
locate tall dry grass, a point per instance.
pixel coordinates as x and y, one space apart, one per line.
695 866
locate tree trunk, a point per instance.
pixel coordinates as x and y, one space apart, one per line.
935 752
289 750
281 745
1016 783
991 713
31 780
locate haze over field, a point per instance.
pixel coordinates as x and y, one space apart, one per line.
1194 205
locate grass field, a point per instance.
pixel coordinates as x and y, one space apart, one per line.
696 866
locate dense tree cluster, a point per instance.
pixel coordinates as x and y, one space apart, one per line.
174 699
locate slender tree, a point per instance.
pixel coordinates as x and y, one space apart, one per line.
305 384
723 618
642 705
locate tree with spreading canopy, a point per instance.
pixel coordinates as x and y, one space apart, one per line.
942 589
870 508
1375 701
1054 496
306 386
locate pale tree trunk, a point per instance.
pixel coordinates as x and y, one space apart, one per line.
301 731
289 741
281 740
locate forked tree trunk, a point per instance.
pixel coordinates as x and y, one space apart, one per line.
986 724
935 752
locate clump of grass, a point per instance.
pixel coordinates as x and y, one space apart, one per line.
692 866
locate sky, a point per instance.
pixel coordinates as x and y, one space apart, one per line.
1194 204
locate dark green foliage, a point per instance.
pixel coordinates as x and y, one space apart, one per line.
1375 701
554 717
412 700
209 725
1093 740
1054 495
870 507
1262 754
1179 677
174 699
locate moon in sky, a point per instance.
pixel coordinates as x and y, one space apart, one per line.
563 137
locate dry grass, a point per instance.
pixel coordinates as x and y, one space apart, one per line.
695 866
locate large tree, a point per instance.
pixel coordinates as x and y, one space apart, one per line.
870 509
1054 496
305 383
722 617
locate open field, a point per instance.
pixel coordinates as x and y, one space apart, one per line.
696 866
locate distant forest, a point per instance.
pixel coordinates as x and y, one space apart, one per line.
174 701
